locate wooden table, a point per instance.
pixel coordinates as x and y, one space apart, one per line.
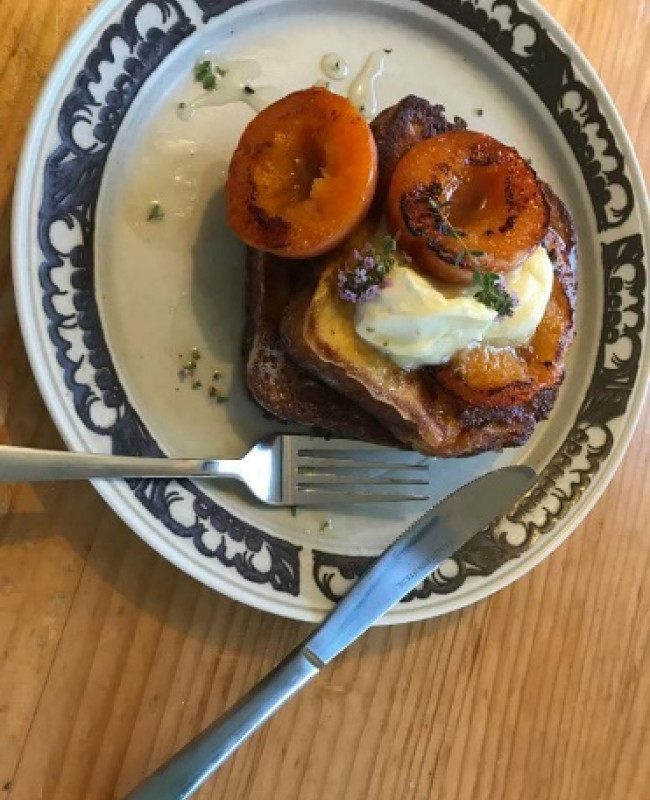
110 658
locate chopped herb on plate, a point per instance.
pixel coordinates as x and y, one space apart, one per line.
155 212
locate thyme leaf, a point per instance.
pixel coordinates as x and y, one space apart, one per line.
491 288
493 294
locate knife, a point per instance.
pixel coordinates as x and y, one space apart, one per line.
421 549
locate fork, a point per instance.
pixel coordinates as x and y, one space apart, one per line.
281 470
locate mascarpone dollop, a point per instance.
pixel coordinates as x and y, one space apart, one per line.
419 321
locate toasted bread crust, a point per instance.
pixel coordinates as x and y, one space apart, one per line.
274 380
399 127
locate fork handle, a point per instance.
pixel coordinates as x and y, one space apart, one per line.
27 464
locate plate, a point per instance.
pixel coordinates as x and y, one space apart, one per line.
111 304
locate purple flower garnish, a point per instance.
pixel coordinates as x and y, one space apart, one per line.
361 278
371 291
348 295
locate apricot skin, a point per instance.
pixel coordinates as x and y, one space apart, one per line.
303 175
475 185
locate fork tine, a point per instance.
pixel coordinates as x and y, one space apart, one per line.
348 453
313 463
339 471
325 479
318 497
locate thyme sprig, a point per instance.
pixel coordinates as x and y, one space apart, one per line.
491 288
447 229
492 293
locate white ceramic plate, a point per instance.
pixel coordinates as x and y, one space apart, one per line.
108 301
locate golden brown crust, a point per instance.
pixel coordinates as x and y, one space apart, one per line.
274 380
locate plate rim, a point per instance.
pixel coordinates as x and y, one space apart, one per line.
61 414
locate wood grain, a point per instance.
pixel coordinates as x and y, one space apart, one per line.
110 658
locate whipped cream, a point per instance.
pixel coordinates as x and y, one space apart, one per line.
419 321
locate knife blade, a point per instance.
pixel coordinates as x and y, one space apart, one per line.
421 549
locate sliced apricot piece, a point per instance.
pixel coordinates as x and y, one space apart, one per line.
461 201
503 377
303 175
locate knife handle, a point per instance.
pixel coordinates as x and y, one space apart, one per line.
186 771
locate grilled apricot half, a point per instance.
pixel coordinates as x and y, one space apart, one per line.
463 200
303 175
488 377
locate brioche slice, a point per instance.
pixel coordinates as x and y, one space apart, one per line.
274 380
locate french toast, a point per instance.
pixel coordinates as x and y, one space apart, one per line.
305 362
274 380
